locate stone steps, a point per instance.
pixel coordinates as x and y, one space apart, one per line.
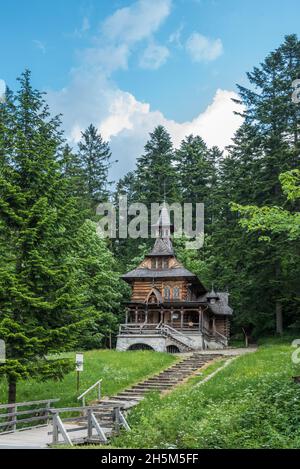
163 381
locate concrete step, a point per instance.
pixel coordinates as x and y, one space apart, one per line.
129 396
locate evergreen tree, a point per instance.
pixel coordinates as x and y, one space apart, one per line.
41 307
265 145
196 173
97 273
155 172
94 160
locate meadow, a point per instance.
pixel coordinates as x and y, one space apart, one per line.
116 369
252 403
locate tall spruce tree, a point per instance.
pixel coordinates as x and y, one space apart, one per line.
197 174
94 160
41 307
155 172
153 180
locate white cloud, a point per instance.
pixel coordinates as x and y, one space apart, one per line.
202 48
136 22
84 28
154 56
126 122
121 112
40 45
92 97
175 37
120 33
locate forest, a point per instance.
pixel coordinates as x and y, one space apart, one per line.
59 281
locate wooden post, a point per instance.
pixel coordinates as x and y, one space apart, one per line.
181 317
48 405
171 313
78 380
146 315
200 319
55 430
13 410
136 315
214 326
161 315
126 316
117 419
279 318
89 423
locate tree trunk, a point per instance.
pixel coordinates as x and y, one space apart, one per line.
246 338
12 391
279 319
278 305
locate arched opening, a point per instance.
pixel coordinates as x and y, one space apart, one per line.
172 349
140 347
154 296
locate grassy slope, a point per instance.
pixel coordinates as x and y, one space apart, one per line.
117 369
252 403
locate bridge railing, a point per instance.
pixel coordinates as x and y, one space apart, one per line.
19 414
84 394
89 419
142 328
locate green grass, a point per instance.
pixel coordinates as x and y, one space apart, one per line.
117 370
252 403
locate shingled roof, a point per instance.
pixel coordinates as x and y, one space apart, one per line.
151 273
162 247
221 306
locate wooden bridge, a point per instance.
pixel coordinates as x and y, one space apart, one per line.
92 424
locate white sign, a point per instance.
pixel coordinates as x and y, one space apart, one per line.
79 361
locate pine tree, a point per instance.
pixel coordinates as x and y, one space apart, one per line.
155 172
265 145
40 299
97 273
94 159
196 173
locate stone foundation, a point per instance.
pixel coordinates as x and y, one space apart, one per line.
160 343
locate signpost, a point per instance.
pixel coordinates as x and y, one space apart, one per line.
79 367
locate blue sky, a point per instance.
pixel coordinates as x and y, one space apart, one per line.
128 65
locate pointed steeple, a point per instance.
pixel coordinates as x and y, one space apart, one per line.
163 244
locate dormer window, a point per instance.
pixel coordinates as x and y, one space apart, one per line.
165 263
176 293
158 263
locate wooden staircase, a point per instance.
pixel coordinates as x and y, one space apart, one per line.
162 382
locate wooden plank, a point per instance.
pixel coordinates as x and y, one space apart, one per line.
71 430
123 421
25 412
61 428
31 419
71 409
98 428
23 404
